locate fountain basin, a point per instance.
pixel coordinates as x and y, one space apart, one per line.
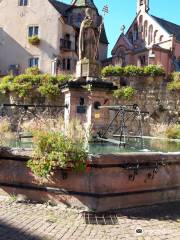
112 181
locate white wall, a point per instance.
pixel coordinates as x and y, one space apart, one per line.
14 45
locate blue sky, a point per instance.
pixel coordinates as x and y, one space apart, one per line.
123 12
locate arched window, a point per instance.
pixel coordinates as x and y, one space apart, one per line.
155 36
140 26
161 38
145 29
150 34
136 34
130 37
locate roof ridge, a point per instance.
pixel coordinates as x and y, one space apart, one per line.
165 20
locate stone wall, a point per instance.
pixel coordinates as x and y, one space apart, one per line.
163 105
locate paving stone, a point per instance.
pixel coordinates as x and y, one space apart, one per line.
22 221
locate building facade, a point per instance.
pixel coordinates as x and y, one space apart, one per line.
43 33
149 40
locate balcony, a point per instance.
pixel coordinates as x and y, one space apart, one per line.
65 45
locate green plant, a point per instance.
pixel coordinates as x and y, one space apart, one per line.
25 83
175 82
133 71
33 71
54 150
44 84
154 71
5 84
34 40
112 71
125 93
173 131
50 85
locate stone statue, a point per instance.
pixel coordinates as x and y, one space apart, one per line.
89 37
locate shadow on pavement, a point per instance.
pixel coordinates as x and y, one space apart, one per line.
164 211
8 232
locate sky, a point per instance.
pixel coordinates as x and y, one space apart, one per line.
122 12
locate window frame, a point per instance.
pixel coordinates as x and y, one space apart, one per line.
34 58
33 33
21 3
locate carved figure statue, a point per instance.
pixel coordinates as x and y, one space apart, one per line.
89 37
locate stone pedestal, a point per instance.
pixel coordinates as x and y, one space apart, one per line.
83 99
88 68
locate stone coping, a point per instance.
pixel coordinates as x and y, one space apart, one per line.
116 158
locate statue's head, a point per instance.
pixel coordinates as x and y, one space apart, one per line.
89 13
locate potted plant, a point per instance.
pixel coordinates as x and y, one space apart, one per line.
34 40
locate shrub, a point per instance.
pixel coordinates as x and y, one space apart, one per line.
5 84
133 71
125 93
175 84
34 40
22 84
154 71
173 131
33 71
112 71
25 83
53 150
50 85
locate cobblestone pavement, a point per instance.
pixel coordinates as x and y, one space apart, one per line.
27 221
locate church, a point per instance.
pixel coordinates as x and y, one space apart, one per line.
149 40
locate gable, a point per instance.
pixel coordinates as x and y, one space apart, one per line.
122 42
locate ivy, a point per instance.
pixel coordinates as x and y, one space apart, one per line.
125 93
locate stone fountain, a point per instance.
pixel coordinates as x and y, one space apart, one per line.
88 90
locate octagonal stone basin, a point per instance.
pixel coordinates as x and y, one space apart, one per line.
111 181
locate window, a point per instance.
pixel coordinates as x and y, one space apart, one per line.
150 36
34 62
64 64
145 29
23 2
68 64
130 37
136 34
155 36
33 31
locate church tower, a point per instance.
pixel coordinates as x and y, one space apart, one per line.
142 5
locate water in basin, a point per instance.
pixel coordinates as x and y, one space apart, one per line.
149 145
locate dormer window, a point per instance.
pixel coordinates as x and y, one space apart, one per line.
23 2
